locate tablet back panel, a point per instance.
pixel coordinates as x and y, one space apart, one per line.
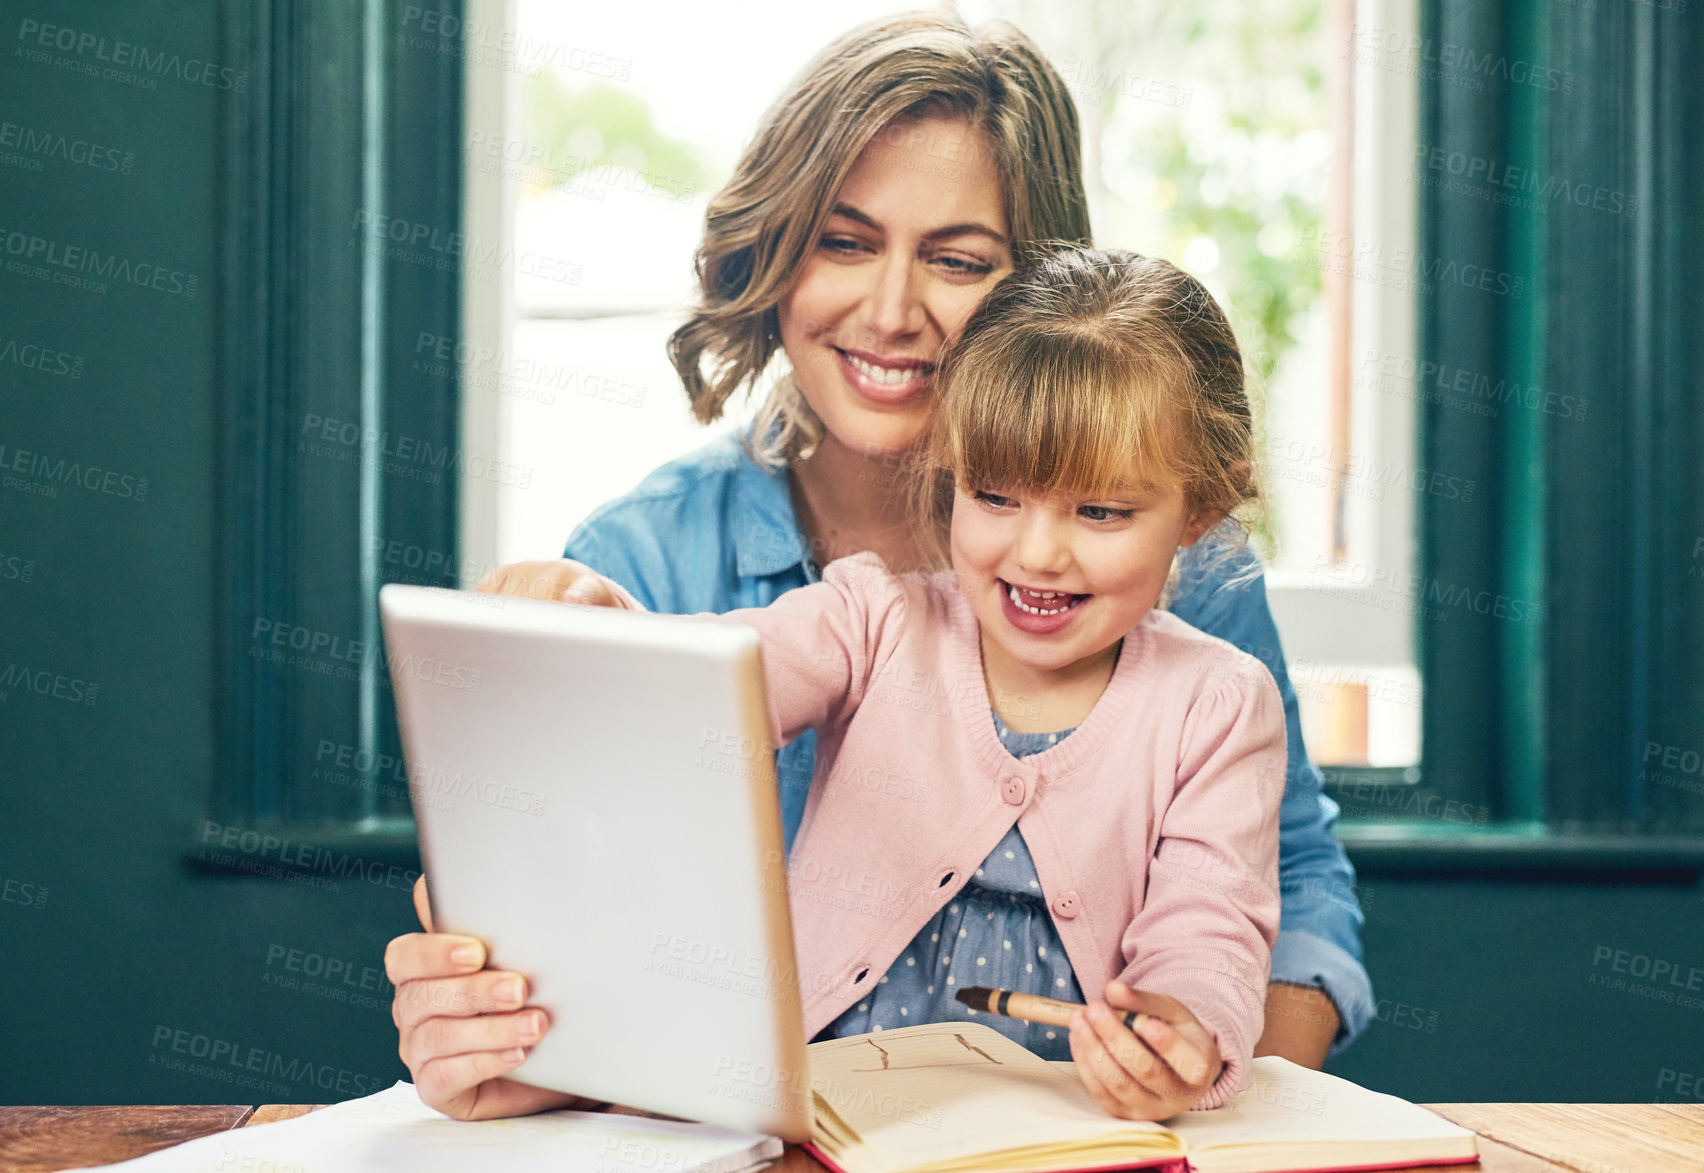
597 802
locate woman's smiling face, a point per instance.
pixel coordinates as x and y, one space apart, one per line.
917 238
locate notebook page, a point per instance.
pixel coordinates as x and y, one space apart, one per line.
920 1094
1289 1104
393 1130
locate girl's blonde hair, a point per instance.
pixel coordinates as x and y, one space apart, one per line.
762 225
1086 372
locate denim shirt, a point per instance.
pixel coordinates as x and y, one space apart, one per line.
714 531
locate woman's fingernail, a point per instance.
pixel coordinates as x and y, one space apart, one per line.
508 991
532 1026
465 955
514 1054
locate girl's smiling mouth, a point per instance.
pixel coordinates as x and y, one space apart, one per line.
1039 612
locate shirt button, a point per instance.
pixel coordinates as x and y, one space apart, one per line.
1067 906
1013 791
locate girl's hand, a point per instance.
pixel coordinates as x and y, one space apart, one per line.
561 581
462 1026
1159 1070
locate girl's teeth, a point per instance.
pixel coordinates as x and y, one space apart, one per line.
1017 600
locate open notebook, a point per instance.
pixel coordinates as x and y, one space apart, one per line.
950 1097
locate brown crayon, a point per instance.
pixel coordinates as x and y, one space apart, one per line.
1031 1007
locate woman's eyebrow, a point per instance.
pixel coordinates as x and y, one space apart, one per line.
969 227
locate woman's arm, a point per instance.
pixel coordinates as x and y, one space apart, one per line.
1320 997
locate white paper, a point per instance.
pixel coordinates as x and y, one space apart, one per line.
393 1130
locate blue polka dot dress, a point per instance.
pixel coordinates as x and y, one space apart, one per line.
995 932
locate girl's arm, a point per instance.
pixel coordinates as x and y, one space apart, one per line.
1210 913
824 642
821 642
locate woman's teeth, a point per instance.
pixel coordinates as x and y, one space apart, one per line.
891 375
1049 602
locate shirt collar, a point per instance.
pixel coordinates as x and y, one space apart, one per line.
767 538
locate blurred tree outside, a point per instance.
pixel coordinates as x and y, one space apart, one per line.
1207 141
583 136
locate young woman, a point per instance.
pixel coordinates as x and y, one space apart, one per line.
880 200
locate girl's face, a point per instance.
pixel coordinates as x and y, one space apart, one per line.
917 238
1056 583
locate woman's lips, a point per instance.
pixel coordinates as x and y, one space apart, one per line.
885 380
1036 612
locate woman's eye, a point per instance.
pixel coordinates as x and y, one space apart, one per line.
841 244
992 499
964 266
1105 513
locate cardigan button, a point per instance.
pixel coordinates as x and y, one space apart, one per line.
1013 791
1067 906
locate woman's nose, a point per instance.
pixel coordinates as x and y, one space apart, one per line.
894 309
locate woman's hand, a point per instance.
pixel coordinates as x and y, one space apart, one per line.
1160 1069
560 581
463 1026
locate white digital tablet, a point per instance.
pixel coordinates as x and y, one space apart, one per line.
596 801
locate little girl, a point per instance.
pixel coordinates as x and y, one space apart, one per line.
1028 777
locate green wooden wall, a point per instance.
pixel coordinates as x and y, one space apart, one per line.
109 515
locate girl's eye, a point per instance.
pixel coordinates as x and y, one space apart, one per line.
992 499
1105 513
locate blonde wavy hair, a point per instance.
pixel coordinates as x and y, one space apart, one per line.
762 225
1084 372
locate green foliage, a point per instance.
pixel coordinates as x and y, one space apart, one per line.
600 126
1204 120
1206 127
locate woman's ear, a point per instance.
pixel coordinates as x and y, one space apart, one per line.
1239 479
1201 522
1230 492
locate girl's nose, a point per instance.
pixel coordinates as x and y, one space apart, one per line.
894 308
1042 546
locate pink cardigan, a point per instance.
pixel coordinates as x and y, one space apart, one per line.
1153 826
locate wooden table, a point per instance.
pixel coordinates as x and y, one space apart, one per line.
1513 1138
